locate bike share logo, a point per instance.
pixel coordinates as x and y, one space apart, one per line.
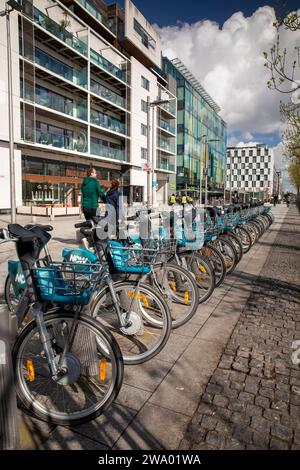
296 353
20 278
78 259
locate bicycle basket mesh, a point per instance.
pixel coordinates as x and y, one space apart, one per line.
132 259
66 283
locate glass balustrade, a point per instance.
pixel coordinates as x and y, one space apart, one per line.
165 164
106 151
107 94
107 65
165 125
165 145
56 66
63 139
49 99
108 122
170 107
61 33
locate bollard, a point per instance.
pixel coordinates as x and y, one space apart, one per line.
9 434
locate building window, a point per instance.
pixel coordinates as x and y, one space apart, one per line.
144 153
235 153
144 106
250 153
258 151
145 83
144 130
145 38
261 184
243 153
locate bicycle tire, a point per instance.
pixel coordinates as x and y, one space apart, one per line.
44 412
109 316
176 298
220 269
206 270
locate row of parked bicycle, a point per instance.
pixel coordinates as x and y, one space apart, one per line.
113 302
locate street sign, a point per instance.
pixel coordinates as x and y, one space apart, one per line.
146 167
154 184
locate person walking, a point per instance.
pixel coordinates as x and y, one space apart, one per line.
114 206
275 199
288 200
91 191
172 200
183 199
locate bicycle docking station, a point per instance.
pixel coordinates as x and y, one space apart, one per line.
9 430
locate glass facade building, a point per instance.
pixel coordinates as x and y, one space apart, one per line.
201 134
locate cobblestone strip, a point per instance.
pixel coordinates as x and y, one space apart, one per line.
252 400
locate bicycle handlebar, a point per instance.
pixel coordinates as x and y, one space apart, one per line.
86 224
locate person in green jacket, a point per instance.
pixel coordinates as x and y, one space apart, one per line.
91 191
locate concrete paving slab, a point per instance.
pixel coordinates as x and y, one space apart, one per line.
107 428
183 385
66 439
147 376
153 428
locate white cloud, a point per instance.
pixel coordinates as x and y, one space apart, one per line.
228 62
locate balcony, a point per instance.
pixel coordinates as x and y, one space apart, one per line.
166 146
166 126
112 124
74 141
106 65
78 77
105 151
58 31
165 164
107 94
49 99
97 15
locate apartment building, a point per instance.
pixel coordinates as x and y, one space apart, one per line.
250 169
82 73
201 135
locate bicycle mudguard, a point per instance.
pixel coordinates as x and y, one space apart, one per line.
79 256
17 277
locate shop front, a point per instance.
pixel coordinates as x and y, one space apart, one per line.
52 183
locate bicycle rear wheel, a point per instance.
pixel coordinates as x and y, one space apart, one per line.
217 260
92 380
227 249
148 316
201 268
179 289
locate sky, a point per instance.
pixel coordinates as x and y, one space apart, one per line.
222 44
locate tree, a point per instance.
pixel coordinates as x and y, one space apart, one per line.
294 173
283 63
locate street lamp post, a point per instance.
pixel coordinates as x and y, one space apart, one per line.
10 6
205 170
151 160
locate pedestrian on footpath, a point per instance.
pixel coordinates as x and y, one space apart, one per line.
91 191
114 206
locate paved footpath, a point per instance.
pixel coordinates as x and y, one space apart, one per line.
252 400
234 353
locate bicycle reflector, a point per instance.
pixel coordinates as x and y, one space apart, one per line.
102 369
139 297
30 370
172 285
202 268
186 297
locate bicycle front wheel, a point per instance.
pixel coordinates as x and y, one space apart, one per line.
93 375
145 313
